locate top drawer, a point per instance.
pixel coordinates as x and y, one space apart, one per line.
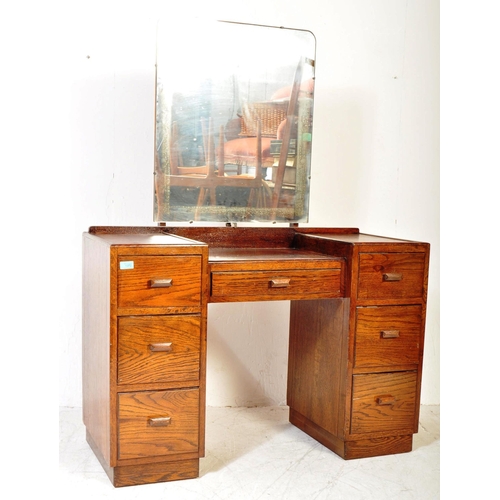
159 281
391 275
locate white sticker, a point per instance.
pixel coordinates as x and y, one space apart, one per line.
127 264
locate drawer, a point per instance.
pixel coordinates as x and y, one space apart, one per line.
387 336
157 423
391 275
384 402
281 284
159 281
158 349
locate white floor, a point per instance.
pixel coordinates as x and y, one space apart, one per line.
255 453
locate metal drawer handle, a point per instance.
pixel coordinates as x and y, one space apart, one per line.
161 347
389 334
161 283
392 276
159 421
386 400
279 282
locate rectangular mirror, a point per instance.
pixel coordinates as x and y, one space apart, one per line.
234 116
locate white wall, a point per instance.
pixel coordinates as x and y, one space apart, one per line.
375 159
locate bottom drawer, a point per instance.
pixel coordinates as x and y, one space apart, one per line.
157 423
383 402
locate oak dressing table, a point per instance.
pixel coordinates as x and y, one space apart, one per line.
355 350
358 301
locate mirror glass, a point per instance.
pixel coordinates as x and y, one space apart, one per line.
234 115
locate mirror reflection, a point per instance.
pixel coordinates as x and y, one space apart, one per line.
234 110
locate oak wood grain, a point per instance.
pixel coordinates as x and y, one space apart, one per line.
139 361
353 448
387 336
383 402
317 362
137 273
156 472
96 324
258 285
356 337
377 447
137 438
408 267
235 237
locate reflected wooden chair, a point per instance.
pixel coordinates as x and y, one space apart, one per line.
280 122
288 128
212 176
241 135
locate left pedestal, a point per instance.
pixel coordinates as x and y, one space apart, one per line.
144 352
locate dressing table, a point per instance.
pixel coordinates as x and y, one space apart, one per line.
357 312
355 350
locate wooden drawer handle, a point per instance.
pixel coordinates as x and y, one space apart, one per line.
159 421
392 276
162 283
386 400
389 334
279 282
161 347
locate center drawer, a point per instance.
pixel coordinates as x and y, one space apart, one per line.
387 336
278 284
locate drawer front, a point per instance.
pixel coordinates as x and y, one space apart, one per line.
387 336
280 284
157 423
383 402
159 281
158 349
391 275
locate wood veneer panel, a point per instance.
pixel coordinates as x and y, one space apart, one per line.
155 472
353 448
96 343
240 237
317 362
376 447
